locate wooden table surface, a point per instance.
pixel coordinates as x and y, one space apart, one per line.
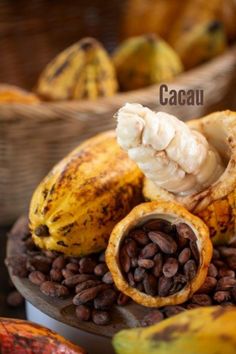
5 287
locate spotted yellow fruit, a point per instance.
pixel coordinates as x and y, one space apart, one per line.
76 206
216 204
207 330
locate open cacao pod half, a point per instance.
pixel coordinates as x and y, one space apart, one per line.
159 254
18 336
215 205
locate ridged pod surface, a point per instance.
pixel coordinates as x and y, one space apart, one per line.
206 330
76 206
22 337
216 205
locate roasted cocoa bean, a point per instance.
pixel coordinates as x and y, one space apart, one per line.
67 273
149 251
224 272
105 299
107 278
139 274
192 306
222 296
157 269
150 284
73 267
146 263
184 255
36 277
53 289
89 294
165 242
185 231
173 310
78 278
201 299
218 263
140 237
87 284
124 260
15 299
131 248
101 318
212 270
226 283
83 312
100 269
59 263
208 285
40 263
122 299
170 267
164 286
151 318
87 265
56 275
231 261
190 269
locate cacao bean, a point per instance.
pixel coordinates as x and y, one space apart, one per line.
131 279
56 275
52 289
105 299
201 299
184 255
83 312
208 285
36 277
158 225
145 263
194 250
89 294
164 286
100 269
131 248
190 269
149 251
87 265
164 241
139 274
150 284
173 310
170 267
151 318
226 283
227 251
124 260
59 263
224 272
222 296
86 285
212 270
40 263
231 261
101 318
185 231
78 278
15 299
67 273
73 267
157 269
107 278
140 237
122 299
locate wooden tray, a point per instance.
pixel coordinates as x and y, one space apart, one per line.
63 310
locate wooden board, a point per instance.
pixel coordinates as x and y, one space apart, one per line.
63 310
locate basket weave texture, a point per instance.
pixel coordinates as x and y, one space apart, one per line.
34 137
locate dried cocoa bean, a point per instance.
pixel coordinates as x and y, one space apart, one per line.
208 285
73 267
40 263
87 284
190 269
67 273
192 306
87 265
157 269
15 299
201 299
224 272
59 263
100 269
124 260
56 275
18 265
131 248
150 284
226 283
227 251
149 251
222 296
122 299
185 231
83 312
173 310
140 237
77 278
164 241
170 267
89 294
146 263
105 299
52 289
151 318
231 261
139 274
36 277
184 255
107 278
101 318
164 286
218 263
212 270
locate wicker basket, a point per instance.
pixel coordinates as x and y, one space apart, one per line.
34 137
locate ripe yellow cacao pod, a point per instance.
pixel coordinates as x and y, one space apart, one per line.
215 205
207 330
75 207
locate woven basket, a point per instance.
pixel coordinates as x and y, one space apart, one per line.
34 137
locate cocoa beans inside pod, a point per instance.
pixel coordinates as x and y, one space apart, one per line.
168 271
